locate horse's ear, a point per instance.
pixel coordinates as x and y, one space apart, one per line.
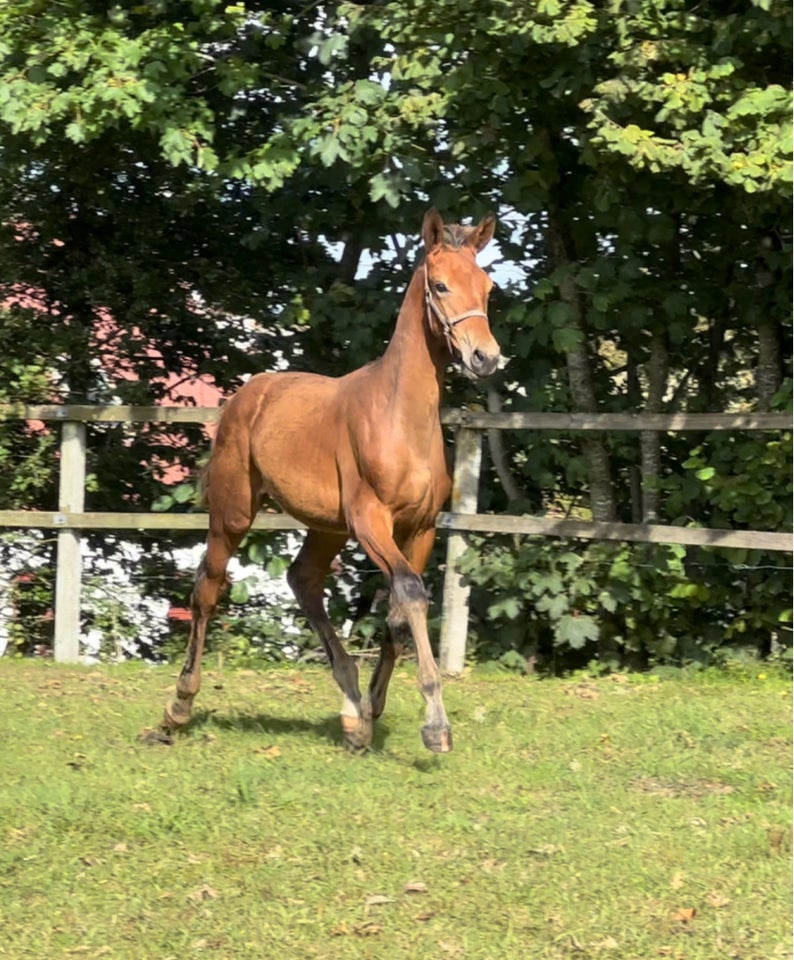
483 233
432 229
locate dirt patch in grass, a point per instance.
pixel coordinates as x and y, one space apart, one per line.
696 789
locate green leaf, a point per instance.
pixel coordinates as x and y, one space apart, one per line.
239 592
329 150
554 605
566 339
607 601
561 313
508 607
184 492
575 631
75 131
385 186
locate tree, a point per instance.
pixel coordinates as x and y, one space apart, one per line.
193 167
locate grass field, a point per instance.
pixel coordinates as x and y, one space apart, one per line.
621 818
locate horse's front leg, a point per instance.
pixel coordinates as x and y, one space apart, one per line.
372 524
408 618
417 551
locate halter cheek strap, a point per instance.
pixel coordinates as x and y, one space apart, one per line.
435 307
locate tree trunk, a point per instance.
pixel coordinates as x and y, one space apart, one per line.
497 450
656 370
580 377
768 372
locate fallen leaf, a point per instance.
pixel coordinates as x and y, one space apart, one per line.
204 892
447 946
415 886
364 929
778 840
120 848
582 690
272 751
376 900
684 914
608 943
677 882
716 899
425 915
356 855
544 850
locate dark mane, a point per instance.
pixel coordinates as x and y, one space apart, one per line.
455 236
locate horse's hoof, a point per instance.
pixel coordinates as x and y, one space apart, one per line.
357 733
437 739
177 713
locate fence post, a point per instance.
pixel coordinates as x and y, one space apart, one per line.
71 499
455 607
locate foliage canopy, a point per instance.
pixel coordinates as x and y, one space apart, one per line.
240 185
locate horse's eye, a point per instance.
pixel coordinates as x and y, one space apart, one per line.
441 287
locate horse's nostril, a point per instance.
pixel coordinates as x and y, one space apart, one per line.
482 364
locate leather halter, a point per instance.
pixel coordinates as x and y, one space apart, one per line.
435 307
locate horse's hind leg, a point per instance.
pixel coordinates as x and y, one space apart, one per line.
306 577
229 523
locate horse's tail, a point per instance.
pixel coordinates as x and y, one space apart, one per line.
203 479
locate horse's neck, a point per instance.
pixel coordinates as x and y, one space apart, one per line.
411 366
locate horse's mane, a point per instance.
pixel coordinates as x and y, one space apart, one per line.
456 235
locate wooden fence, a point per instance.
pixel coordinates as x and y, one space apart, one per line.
70 518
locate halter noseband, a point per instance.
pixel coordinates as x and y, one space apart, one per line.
435 307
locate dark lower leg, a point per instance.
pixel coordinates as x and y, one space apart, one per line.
390 650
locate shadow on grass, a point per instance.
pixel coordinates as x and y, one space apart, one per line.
264 724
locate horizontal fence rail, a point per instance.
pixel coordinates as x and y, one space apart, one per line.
469 523
70 518
478 420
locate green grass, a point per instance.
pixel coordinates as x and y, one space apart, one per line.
617 818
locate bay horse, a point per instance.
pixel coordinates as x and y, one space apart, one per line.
358 456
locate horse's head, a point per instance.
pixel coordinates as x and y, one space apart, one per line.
456 291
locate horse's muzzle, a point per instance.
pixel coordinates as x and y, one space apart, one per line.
483 364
